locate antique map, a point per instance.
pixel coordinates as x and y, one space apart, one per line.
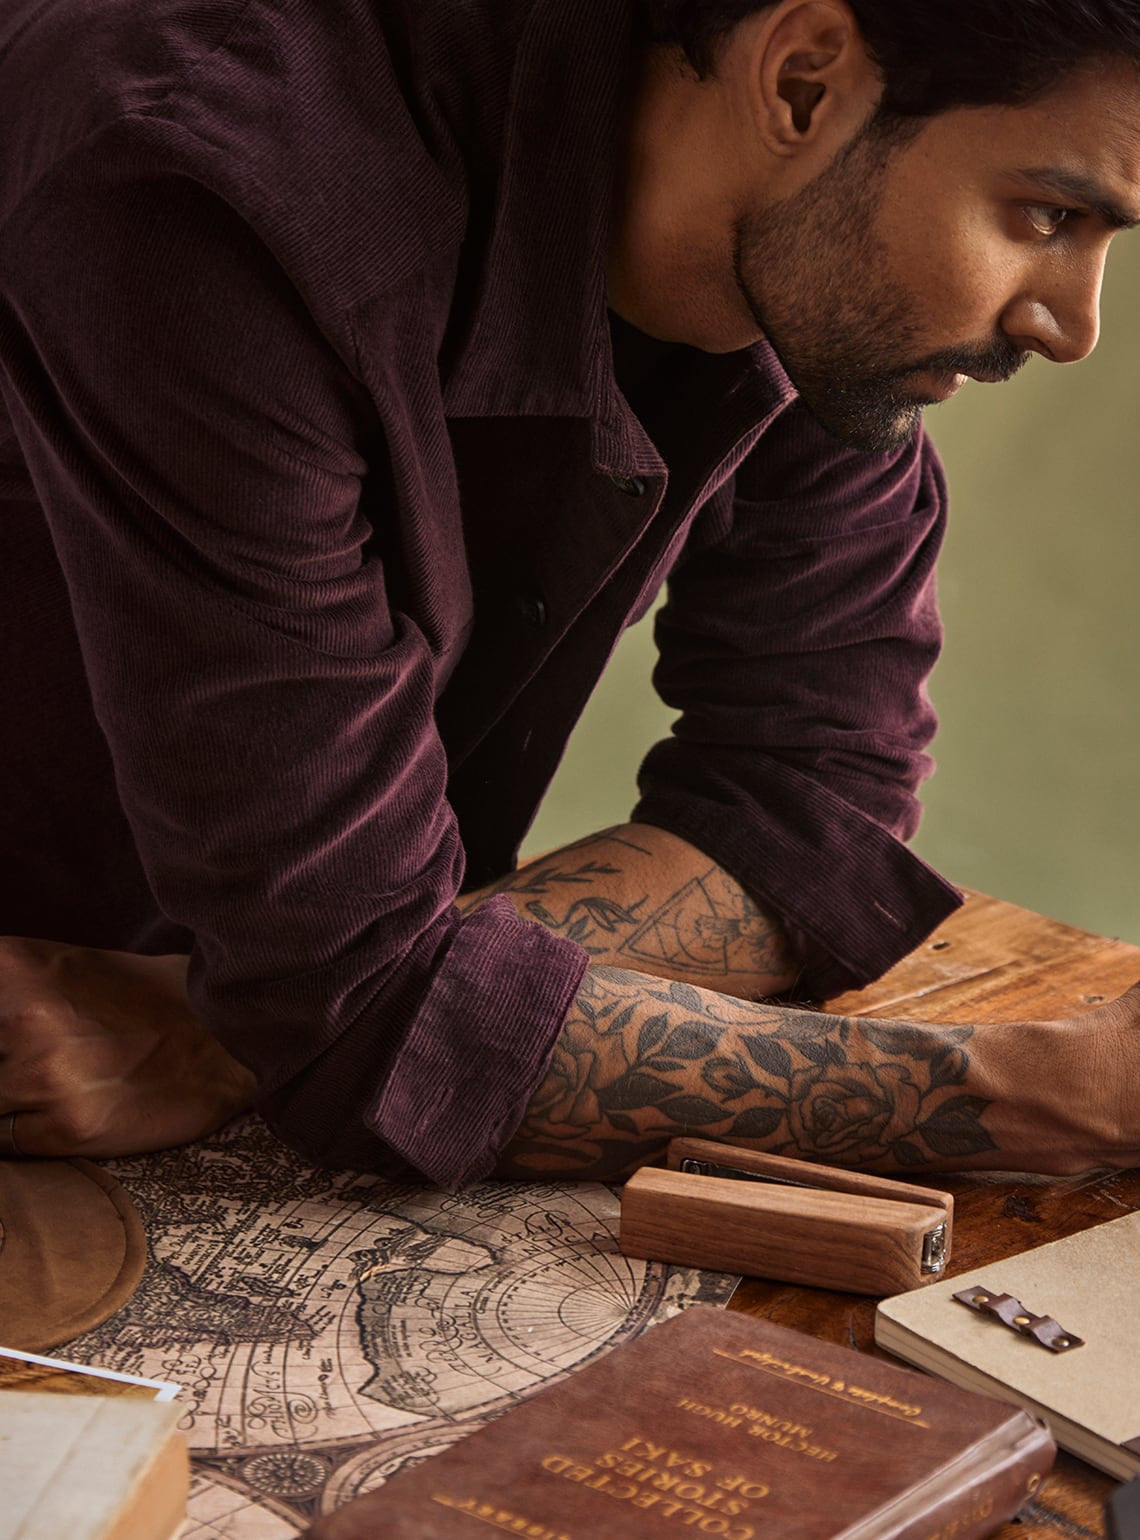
329 1328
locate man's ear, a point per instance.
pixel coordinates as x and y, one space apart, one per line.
814 82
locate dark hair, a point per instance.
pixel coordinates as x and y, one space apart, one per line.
938 54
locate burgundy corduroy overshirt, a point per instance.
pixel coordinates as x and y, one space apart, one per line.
321 511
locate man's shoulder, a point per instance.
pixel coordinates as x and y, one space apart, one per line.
329 114
70 69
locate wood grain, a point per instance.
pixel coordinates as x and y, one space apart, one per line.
992 961
871 1245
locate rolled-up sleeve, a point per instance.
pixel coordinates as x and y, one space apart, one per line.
800 628
223 503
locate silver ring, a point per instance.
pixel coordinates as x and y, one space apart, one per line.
8 1145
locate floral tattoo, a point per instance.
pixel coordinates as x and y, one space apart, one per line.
641 1061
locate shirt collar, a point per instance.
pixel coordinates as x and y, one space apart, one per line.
538 342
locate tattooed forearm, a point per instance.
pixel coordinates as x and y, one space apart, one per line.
640 1062
641 898
710 926
680 1046
571 899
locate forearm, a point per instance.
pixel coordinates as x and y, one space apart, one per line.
639 897
640 1061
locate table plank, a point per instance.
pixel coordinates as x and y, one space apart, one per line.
992 961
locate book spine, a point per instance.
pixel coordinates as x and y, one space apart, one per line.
986 1501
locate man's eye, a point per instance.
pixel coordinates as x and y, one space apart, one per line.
1046 219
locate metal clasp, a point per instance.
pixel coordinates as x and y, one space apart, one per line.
693 1167
934 1249
1012 1313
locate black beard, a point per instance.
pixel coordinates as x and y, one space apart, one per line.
813 273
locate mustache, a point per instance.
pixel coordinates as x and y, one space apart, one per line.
995 361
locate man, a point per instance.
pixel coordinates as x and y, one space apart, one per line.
332 481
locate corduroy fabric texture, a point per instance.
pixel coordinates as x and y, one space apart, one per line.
322 511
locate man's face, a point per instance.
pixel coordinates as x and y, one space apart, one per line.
957 249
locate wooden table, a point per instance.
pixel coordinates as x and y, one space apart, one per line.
995 962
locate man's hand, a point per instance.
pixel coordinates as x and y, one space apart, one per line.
1067 1090
101 1055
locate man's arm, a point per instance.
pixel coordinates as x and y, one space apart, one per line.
800 626
689 1050
640 897
264 658
641 1061
103 1056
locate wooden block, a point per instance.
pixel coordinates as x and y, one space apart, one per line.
90 1468
837 1240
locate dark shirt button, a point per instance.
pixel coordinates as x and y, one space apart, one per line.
532 610
632 486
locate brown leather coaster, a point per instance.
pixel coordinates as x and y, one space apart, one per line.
72 1251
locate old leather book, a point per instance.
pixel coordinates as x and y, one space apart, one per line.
81 1467
718 1424
1087 1283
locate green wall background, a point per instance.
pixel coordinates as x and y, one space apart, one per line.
1035 799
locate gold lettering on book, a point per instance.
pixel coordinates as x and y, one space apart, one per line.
499 1517
769 1427
826 1384
667 1481
715 1414
661 1454
770 1419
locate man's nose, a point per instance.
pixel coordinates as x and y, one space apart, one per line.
1061 320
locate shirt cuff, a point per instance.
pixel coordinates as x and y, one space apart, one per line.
479 1045
852 897
475 1024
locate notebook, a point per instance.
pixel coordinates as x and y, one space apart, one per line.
1090 1284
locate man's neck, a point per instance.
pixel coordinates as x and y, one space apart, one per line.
670 268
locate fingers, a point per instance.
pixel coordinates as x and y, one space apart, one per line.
28 1134
36 1023
60 1127
8 1144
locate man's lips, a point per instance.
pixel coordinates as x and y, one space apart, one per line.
943 383
940 384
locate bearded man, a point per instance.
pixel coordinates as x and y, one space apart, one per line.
368 367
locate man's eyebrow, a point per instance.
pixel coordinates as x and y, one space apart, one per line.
1083 189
